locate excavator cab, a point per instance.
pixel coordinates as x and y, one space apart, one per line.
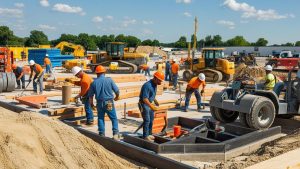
211 55
115 50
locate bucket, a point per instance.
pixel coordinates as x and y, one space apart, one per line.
177 130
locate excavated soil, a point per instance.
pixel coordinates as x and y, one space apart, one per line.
30 140
267 151
150 49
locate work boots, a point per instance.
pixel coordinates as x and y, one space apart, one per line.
149 138
19 87
89 122
116 137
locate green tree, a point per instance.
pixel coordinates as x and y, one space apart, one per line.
120 38
217 40
37 38
86 41
261 42
132 41
237 41
147 42
287 44
181 43
297 43
155 43
5 35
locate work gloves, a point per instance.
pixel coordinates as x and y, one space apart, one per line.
153 107
36 80
202 91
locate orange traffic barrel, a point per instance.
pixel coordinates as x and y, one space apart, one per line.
177 130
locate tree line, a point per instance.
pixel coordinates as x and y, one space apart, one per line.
94 42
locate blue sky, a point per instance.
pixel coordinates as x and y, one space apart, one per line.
165 20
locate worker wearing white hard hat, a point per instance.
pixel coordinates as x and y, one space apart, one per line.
38 77
47 63
193 87
84 83
270 78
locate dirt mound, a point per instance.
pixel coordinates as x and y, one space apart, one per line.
30 140
150 49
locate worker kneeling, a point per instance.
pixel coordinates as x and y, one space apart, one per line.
85 83
147 97
193 87
38 76
20 77
103 89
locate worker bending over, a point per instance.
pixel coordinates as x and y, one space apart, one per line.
175 70
193 87
47 64
146 99
270 78
146 69
84 83
38 76
103 89
18 71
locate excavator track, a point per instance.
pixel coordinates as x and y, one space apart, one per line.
212 75
123 68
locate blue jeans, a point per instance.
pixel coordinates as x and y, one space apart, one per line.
148 117
102 109
48 69
40 82
147 72
174 80
167 76
188 95
88 110
21 80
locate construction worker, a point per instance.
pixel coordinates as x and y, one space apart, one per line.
167 71
146 98
47 64
38 76
270 78
85 83
18 71
193 87
146 69
174 70
103 89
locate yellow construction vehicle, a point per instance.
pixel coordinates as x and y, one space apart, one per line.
77 51
117 59
212 64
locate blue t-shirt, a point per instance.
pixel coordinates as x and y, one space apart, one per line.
18 71
103 89
168 66
148 91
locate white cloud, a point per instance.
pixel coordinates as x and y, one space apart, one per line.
184 1
46 27
228 24
147 22
128 22
244 21
44 3
251 12
15 13
109 17
19 5
68 9
147 32
97 19
187 14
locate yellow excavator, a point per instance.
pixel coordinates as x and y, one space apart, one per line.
212 63
118 59
77 51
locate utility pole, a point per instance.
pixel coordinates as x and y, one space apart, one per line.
195 41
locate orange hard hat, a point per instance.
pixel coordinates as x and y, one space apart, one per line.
100 69
159 75
14 66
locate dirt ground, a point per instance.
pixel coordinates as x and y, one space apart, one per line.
267 151
31 140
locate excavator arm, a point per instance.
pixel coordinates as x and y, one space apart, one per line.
78 50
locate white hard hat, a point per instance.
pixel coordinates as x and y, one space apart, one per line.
47 54
298 74
201 76
269 67
31 62
76 70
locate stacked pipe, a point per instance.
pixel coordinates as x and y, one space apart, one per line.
7 82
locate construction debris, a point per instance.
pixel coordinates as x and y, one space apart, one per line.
150 49
36 101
